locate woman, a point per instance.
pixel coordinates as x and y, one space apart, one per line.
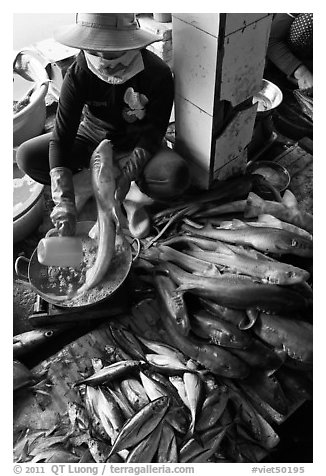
115 89
290 50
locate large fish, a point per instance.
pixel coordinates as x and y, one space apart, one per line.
292 335
270 271
214 358
239 292
220 332
103 183
265 239
172 302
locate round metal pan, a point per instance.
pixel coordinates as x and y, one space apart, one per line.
54 293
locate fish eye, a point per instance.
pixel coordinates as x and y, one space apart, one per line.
294 243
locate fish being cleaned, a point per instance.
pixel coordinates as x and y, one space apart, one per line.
265 239
103 183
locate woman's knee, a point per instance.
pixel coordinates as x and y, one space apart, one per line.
166 175
32 158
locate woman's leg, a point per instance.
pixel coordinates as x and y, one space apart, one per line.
33 157
165 176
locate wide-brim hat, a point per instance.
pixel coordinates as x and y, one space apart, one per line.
105 32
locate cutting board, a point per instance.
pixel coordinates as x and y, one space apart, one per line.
39 410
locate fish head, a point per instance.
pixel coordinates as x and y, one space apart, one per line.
289 276
160 404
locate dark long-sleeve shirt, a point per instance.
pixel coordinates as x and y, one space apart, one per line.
278 50
109 103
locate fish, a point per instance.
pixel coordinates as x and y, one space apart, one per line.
268 271
211 440
234 316
252 420
194 390
109 410
134 393
292 335
189 263
141 424
219 332
172 302
287 211
28 341
214 358
267 388
266 239
126 340
166 364
178 383
162 348
212 408
145 450
111 372
167 451
239 292
122 401
103 183
175 415
270 220
200 450
259 355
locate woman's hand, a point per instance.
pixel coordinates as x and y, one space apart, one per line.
304 77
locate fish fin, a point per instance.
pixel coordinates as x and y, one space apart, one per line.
192 223
289 200
224 249
184 288
236 223
252 316
266 218
254 206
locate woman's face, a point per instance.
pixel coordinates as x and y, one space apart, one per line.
107 54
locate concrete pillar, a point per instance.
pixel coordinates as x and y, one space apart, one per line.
218 62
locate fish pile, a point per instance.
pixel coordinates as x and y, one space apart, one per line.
149 402
236 293
220 354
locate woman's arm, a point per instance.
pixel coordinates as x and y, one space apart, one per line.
71 103
278 52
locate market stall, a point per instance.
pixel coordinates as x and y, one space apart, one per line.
195 344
